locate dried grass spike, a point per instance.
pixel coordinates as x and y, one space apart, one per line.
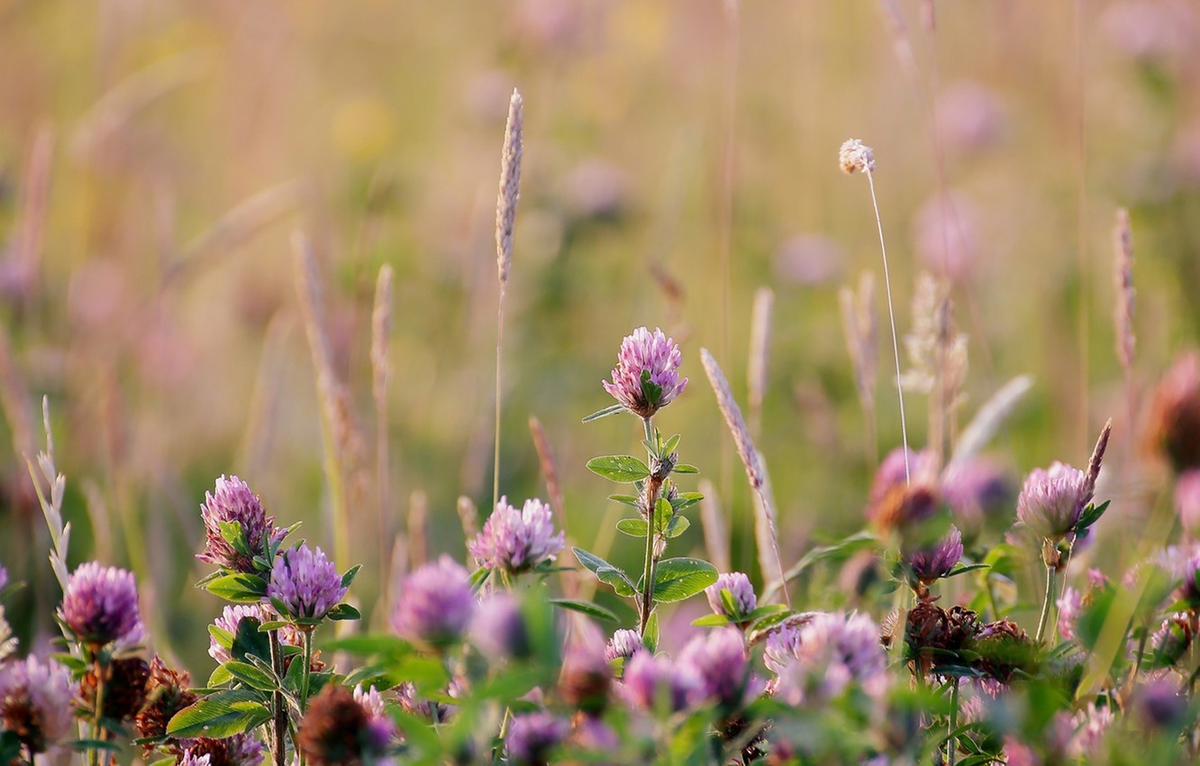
510 185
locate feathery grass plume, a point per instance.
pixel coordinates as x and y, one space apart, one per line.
339 436
756 471
468 515
854 155
756 368
381 331
418 521
35 189
862 340
506 214
716 534
50 497
937 358
990 417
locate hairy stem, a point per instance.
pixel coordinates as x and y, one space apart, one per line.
279 714
1047 604
97 728
952 743
496 446
306 669
651 498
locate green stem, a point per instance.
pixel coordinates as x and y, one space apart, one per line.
97 728
1047 604
306 668
278 709
952 743
647 606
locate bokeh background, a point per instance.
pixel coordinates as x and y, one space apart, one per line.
157 157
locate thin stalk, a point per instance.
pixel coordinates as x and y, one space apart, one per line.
305 669
1047 603
496 446
97 728
887 284
952 743
279 716
648 563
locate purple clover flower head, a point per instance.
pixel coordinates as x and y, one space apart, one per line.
3 577
36 702
100 605
719 659
976 489
624 644
1052 500
1187 502
231 501
649 680
436 604
517 540
498 628
651 354
781 648
1089 725
533 737
191 758
890 474
934 563
243 749
305 583
742 592
1161 705
1182 563
380 730
593 734
232 616
834 651
1070 606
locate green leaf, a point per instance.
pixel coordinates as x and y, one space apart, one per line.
612 409
630 500
964 568
686 500
233 534
585 607
650 636
249 675
617 580
663 513
633 527
238 588
221 715
271 625
686 468
651 390
479 577
711 621
1091 515
344 612
677 526
670 444
623 469
589 560
367 644
219 677
681 578
349 576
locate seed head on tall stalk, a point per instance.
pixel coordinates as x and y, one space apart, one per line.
506 214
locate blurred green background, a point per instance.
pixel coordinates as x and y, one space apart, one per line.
156 157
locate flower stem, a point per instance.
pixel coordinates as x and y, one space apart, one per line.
952 743
306 668
98 729
1047 604
278 708
651 498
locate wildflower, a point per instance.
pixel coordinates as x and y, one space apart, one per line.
230 621
533 737
623 644
890 474
337 729
100 605
436 604
781 648
124 688
905 507
1161 705
835 651
1174 419
1002 649
854 155
380 730
1182 563
498 628
166 694
36 702
741 594
719 659
1070 607
975 490
238 750
195 759
231 501
649 680
646 377
517 540
1187 502
933 563
1052 501
586 678
1090 724
305 583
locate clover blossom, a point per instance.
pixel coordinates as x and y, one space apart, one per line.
719 659
741 592
305 583
231 501
935 562
436 604
341 727
833 652
498 628
36 702
623 644
238 750
649 679
650 357
380 730
231 619
781 648
100 605
517 540
1052 501
532 738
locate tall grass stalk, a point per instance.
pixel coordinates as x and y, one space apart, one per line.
1123 308
506 214
756 367
381 330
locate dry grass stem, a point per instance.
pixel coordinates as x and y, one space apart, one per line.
263 412
14 398
506 214
418 527
990 417
716 532
340 438
381 333
554 490
468 514
1123 273
31 221
756 368
862 341
937 358
50 486
756 471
